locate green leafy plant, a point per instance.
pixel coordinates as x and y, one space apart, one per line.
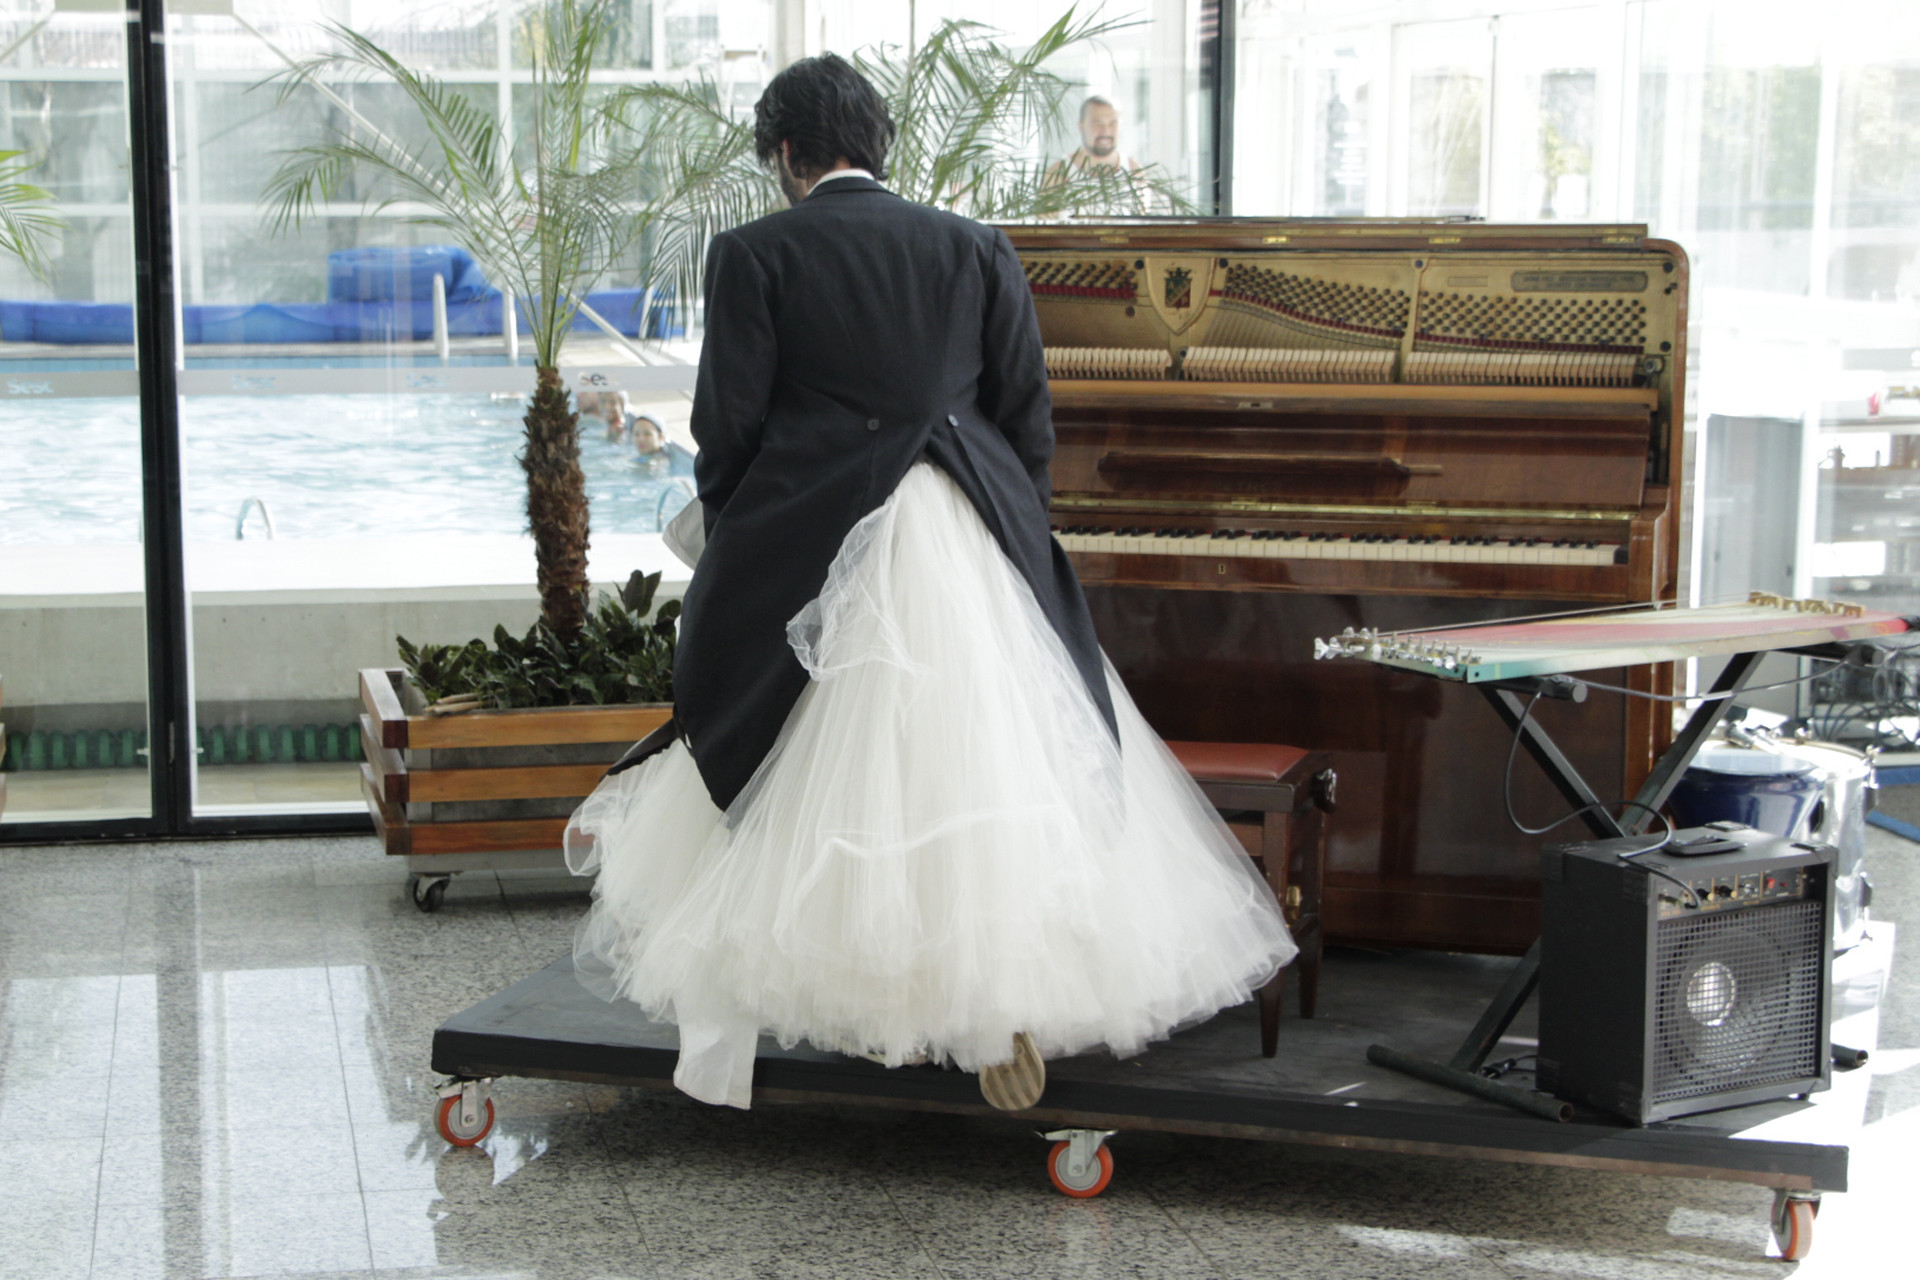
26 221
549 226
623 653
971 113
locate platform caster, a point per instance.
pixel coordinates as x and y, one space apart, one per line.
465 1114
1080 1164
428 892
1793 1215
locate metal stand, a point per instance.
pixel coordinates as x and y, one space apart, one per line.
1462 1071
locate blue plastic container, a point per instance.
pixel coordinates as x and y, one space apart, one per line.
379 273
1726 783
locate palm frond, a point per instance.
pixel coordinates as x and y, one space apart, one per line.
969 111
549 228
26 219
698 177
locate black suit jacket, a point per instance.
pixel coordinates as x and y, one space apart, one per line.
847 338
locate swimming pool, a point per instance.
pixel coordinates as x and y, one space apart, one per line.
326 466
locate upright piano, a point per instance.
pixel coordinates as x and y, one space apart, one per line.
1268 431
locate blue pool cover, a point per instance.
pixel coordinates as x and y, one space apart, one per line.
374 294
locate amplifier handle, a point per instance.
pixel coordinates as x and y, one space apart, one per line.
1304 464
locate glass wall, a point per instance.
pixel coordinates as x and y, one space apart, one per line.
349 391
351 434
73 666
1779 145
1150 73
350 404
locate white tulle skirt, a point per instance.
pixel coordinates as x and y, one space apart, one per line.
943 848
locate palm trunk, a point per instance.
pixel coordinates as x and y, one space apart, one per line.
557 504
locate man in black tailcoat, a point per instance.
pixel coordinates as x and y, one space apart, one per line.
847 338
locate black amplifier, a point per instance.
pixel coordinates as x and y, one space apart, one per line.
1687 979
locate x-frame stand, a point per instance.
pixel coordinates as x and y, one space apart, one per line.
1511 700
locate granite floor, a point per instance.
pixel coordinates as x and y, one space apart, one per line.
213 1062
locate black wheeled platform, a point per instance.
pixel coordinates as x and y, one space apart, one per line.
1211 1079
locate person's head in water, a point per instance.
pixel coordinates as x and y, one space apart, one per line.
819 115
1099 127
613 408
649 437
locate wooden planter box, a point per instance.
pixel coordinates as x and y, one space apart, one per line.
485 782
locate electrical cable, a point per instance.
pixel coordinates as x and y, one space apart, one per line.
1506 796
1710 696
1495 1070
1683 886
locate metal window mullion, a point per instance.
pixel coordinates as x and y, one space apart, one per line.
169 673
1225 67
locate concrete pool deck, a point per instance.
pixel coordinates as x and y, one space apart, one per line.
64 794
275 623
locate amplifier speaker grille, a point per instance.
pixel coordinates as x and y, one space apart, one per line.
1738 1000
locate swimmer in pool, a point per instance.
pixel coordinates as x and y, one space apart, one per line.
658 456
650 444
613 407
649 437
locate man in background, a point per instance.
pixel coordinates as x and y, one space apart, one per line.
1099 150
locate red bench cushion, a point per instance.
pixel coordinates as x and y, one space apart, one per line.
1237 761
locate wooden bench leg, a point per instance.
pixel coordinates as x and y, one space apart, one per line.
1270 1014
1311 945
1275 830
1309 963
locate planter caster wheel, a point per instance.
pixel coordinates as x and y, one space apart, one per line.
465 1114
1793 1215
1080 1164
428 892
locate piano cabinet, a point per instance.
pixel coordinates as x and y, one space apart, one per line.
1423 854
1270 430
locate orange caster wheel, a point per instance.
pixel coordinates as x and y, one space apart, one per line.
464 1125
1080 1165
1793 1225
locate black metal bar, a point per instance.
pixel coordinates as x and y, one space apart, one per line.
1499 1014
1560 771
1686 744
140 830
169 671
80 832
1226 63
1479 1086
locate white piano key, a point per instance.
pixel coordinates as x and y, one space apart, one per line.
1399 550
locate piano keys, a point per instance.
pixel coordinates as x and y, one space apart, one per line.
1229 544
1271 431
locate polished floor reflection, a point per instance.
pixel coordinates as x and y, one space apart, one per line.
213 1062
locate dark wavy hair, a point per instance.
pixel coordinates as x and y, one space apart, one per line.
823 109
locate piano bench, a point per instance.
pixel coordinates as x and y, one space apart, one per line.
1275 800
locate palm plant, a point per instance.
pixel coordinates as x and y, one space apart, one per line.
548 226
25 218
970 112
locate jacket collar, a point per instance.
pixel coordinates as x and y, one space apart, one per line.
843 186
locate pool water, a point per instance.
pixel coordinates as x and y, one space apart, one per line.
326 466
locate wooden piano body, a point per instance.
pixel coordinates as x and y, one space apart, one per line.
1269 431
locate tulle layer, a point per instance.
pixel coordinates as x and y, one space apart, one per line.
945 846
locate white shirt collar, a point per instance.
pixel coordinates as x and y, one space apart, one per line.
841 173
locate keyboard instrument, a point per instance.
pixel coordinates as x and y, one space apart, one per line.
1270 431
